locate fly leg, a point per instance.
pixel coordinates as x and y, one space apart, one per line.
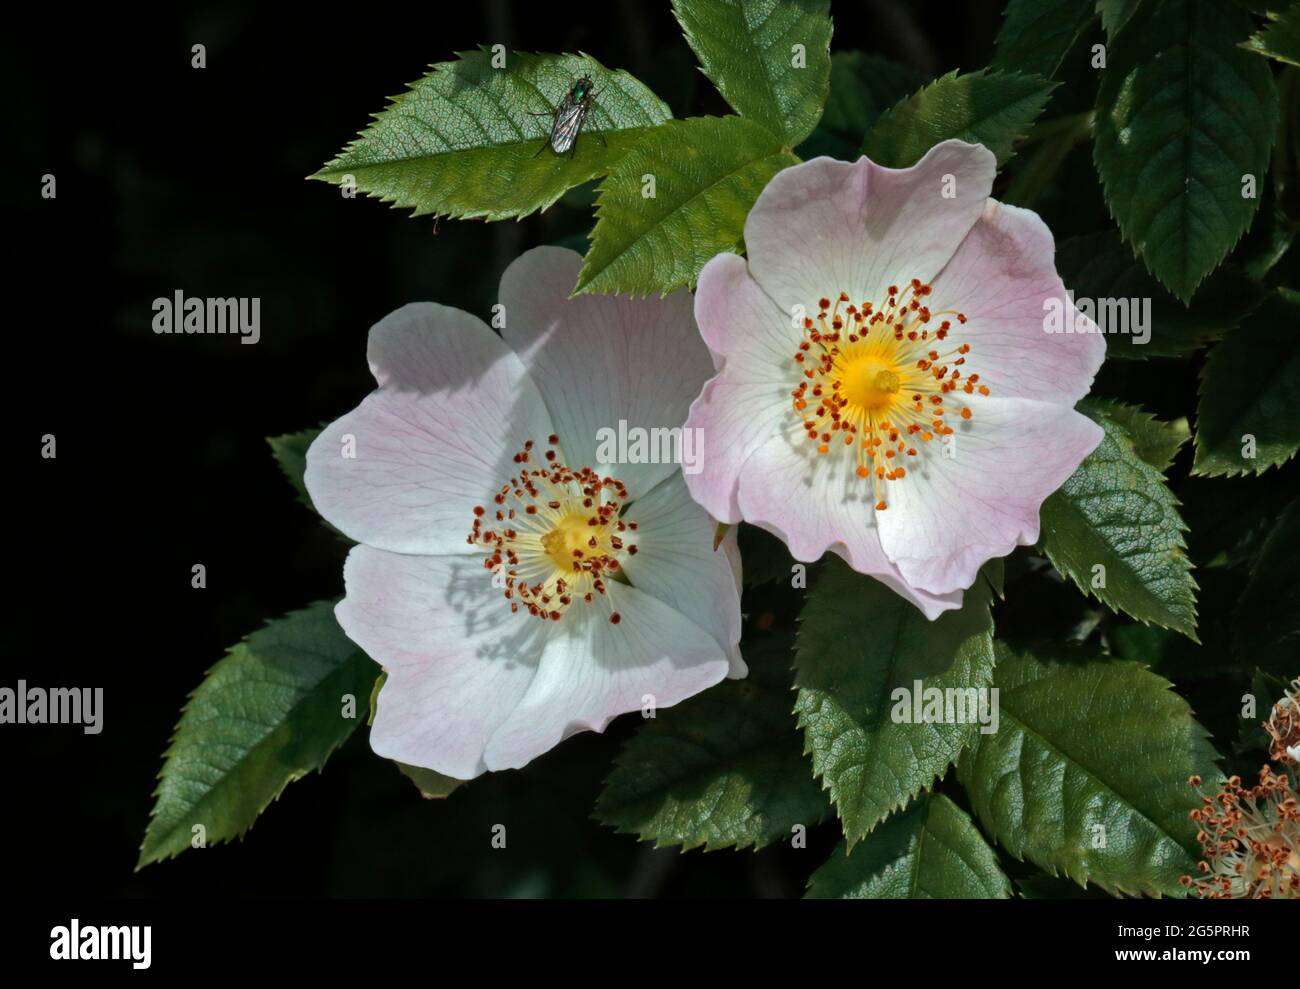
545 113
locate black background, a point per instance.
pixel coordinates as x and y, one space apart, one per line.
171 177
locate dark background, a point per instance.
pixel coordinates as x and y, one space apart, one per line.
171 177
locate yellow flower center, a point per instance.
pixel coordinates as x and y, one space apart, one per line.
573 540
559 535
868 384
875 380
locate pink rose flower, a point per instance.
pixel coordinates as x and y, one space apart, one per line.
887 387
516 589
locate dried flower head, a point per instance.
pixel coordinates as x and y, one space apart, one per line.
1250 840
1284 727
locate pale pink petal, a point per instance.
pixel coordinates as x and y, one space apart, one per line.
435 440
1003 278
739 321
731 546
458 661
676 563
815 503
733 416
754 344
828 226
592 670
951 514
599 359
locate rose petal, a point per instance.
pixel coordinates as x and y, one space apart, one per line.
458 660
592 671
676 563
599 359
434 441
730 545
951 514
733 419
748 401
739 321
828 226
1001 278
815 503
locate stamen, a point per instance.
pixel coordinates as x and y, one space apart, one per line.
559 535
1250 840
871 375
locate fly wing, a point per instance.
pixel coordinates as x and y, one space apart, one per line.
568 121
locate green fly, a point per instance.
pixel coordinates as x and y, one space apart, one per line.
567 118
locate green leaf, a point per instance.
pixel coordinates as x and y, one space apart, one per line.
271 711
707 172
1043 887
1183 116
1055 139
1247 393
1037 34
1266 623
1281 39
862 88
290 452
1267 689
432 786
985 107
374 696
1116 511
765 557
464 140
1233 540
994 574
858 643
1115 14
1170 654
931 851
723 769
1155 441
747 49
1087 773
1267 242
720 533
1101 267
